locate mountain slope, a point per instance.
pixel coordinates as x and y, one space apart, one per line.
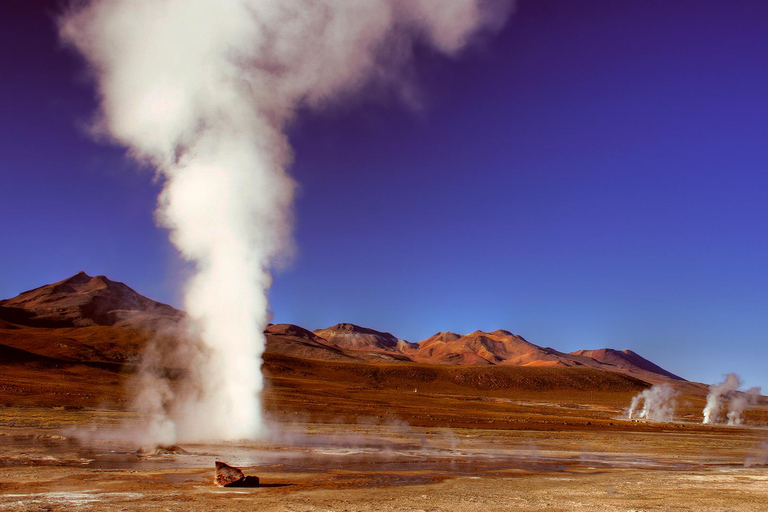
292 340
497 347
626 360
94 319
82 300
354 337
503 348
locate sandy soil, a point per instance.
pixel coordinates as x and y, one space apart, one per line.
326 466
377 436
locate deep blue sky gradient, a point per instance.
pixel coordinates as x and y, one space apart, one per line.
593 176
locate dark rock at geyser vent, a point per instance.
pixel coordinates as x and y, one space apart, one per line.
229 476
161 450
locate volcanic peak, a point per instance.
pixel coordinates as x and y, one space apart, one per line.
353 337
444 336
292 330
625 360
82 300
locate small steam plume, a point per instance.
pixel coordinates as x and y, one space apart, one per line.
203 91
758 457
658 401
717 395
740 403
727 393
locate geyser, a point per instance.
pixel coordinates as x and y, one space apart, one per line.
727 394
202 91
658 401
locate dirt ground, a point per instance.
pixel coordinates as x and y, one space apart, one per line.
51 460
365 436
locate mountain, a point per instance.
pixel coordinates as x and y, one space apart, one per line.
292 340
82 301
627 362
497 347
97 320
354 337
503 348
293 331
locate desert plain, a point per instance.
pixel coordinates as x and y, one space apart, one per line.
353 429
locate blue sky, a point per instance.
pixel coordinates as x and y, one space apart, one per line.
593 176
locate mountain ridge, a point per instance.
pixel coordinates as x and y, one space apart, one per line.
82 301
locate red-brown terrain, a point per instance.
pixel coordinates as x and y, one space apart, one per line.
79 340
96 320
628 362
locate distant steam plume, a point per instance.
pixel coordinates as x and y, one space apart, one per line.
740 403
202 91
658 402
717 395
727 394
758 457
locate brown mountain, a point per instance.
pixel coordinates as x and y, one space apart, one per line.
292 340
94 319
497 347
82 301
503 348
354 337
627 362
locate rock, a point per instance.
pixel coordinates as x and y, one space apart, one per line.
161 450
248 481
229 476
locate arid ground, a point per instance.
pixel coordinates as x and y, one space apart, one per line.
353 445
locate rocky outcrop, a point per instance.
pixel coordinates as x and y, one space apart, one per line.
161 450
230 476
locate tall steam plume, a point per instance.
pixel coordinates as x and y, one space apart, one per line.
727 394
202 91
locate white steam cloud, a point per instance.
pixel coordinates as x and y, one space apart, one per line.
742 402
658 402
727 395
202 91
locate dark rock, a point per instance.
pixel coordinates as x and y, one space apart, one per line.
161 450
248 481
229 476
